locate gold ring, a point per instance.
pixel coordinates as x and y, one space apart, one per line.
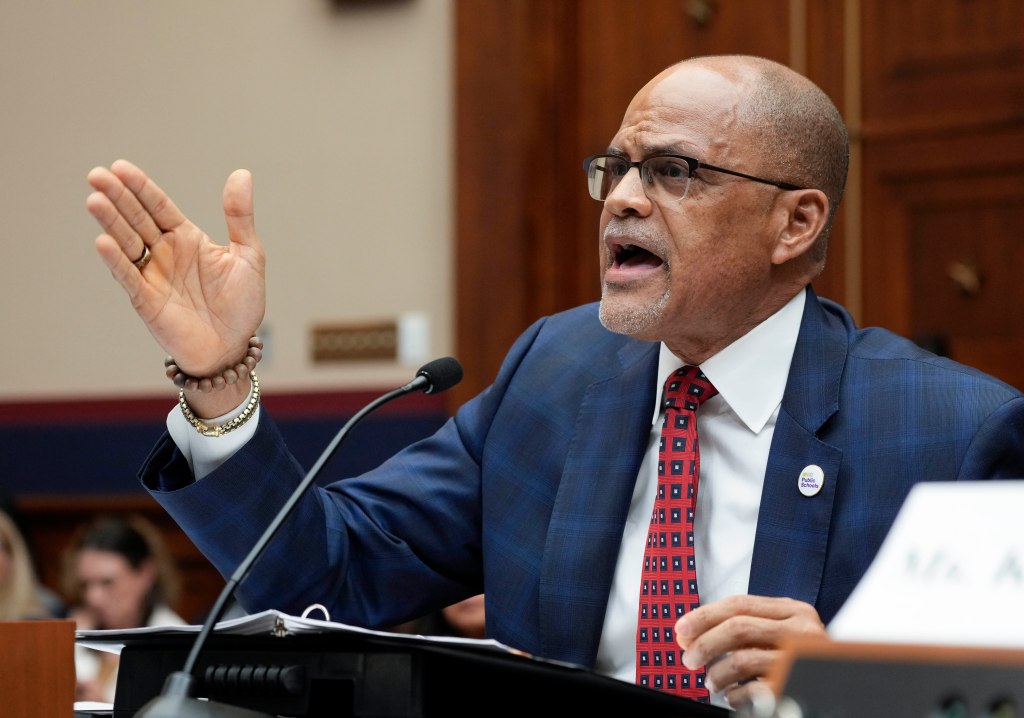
142 261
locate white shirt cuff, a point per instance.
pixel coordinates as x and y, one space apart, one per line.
206 453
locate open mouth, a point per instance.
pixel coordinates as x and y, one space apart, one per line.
633 257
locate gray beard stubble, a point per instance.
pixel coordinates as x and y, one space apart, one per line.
619 314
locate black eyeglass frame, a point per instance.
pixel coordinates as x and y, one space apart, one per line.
692 163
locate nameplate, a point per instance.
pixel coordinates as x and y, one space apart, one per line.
950 571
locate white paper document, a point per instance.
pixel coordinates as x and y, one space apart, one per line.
266 623
950 571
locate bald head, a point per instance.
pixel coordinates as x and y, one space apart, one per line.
790 124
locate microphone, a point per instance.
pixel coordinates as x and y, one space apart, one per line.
176 700
436 376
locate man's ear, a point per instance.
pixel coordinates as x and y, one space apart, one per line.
802 215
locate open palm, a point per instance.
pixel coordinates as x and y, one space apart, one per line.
201 300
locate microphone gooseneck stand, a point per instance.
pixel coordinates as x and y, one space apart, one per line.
177 699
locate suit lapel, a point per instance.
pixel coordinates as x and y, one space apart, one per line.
593 499
792 529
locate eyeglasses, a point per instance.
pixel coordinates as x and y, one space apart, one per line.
664 177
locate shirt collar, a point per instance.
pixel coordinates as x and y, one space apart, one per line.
750 374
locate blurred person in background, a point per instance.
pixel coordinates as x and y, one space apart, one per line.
52 604
117 574
20 590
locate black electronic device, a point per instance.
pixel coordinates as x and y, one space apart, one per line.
366 675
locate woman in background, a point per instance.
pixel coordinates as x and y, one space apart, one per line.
20 590
117 574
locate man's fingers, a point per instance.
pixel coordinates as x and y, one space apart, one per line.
156 213
120 266
739 666
738 638
732 634
757 693
742 622
708 616
119 212
238 209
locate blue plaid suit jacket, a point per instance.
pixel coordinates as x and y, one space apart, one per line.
525 491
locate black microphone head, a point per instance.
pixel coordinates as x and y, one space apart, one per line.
441 374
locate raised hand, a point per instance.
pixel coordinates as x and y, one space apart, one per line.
201 300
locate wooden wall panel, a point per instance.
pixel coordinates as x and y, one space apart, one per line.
494 113
944 212
943 148
931 65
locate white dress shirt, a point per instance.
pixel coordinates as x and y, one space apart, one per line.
735 428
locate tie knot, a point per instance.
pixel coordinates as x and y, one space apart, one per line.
686 389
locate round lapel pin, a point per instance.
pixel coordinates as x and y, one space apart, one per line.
811 479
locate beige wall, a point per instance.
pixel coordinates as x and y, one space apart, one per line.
343 115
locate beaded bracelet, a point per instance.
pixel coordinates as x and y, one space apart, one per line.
215 383
221 429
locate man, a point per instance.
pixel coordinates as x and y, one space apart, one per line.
718 191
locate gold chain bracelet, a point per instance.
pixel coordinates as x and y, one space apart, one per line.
221 429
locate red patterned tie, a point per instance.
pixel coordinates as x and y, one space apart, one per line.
669 583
